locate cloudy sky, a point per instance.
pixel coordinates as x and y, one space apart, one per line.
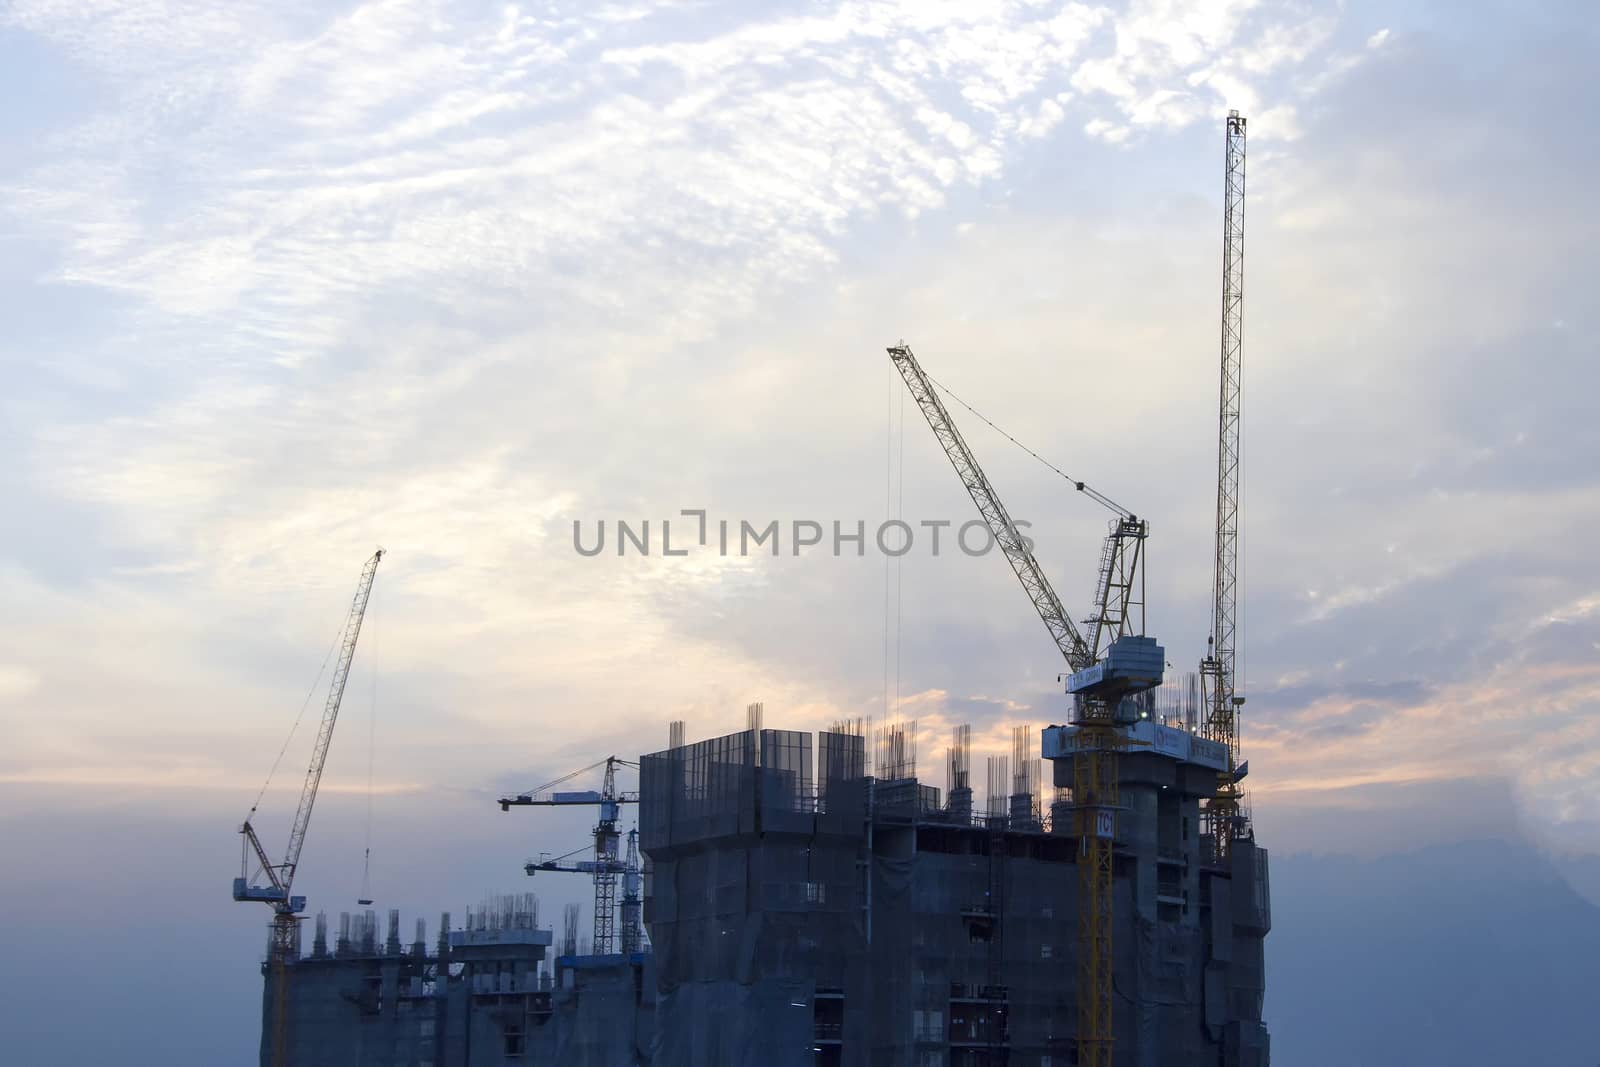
286 281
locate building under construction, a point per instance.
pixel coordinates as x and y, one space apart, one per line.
806 906
486 993
804 911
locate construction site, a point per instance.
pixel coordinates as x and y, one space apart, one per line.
788 896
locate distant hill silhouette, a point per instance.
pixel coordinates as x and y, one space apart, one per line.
1473 953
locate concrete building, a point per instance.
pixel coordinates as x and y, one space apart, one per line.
804 911
847 919
485 995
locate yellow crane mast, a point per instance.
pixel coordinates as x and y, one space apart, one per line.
1115 662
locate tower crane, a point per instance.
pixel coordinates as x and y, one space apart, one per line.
1224 821
605 866
279 890
547 862
1115 661
631 909
628 938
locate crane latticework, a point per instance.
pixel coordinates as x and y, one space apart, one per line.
1096 772
1119 592
1222 703
1094 791
1006 534
632 936
284 943
1119 610
605 860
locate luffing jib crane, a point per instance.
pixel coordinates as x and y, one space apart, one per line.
1117 662
279 890
605 866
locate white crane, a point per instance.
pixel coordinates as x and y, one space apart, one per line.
279 890
1224 821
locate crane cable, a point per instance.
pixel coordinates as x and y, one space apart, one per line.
372 744
581 770
303 706
566 855
899 575
1082 487
888 504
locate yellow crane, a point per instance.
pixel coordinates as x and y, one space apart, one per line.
1115 661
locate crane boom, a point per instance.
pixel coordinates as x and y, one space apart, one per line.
281 875
1131 664
285 940
1066 636
631 907
330 715
1217 668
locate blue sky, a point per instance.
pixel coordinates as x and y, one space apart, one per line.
286 281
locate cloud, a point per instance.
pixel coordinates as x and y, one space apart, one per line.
446 278
16 681
400 147
285 282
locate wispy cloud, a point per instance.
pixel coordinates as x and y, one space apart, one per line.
455 154
444 276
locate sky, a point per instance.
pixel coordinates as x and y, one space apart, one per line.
284 282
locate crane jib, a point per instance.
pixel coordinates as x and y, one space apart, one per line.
281 875
330 716
992 511
1045 601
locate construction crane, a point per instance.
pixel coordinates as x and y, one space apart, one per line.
629 937
605 866
284 945
547 862
631 910
1116 661
1223 819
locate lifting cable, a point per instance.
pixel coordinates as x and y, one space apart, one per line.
569 777
894 502
899 575
1082 487
372 744
303 706
888 507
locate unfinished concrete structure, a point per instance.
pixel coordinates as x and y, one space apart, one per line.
805 912
804 909
484 995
